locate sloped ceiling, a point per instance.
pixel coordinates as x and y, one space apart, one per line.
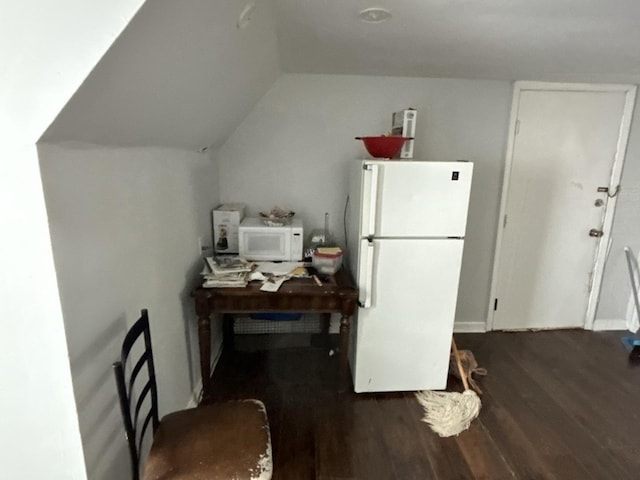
184 75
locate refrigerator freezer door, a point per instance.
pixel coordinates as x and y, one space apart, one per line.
402 341
416 199
363 194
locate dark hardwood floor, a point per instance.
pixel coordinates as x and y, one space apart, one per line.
556 405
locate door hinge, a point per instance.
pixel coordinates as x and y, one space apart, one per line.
517 127
495 304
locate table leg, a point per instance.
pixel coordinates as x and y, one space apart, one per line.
345 327
204 342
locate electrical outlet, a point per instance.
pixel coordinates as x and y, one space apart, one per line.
200 246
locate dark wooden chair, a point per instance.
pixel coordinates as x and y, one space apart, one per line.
227 440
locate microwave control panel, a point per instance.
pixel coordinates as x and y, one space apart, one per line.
296 243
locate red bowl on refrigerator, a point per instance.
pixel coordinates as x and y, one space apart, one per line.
383 147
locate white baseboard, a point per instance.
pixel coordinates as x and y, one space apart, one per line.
469 327
605 324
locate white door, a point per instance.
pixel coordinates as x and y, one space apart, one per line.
403 340
416 199
566 152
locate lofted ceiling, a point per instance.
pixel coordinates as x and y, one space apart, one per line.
184 74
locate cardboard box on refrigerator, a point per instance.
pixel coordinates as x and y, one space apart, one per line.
404 123
226 219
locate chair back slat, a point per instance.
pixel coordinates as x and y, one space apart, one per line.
128 388
128 424
136 369
144 429
141 398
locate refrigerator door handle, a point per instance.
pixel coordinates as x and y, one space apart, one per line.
366 273
371 186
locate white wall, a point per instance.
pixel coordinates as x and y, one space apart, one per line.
46 50
292 150
124 226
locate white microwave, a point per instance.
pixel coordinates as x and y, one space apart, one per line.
258 241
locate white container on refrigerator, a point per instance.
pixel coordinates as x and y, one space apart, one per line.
407 221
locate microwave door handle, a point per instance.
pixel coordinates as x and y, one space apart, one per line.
367 247
371 176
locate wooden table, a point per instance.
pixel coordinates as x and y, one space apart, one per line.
303 295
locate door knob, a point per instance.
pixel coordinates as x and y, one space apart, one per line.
594 232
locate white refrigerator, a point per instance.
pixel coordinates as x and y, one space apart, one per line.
406 224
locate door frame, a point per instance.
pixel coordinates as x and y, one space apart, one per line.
604 242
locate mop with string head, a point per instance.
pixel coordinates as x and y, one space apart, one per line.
449 413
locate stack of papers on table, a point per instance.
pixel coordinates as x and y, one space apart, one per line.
277 268
226 271
274 274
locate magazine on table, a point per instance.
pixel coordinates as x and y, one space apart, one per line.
228 263
226 271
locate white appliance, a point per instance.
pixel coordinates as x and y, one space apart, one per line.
407 222
261 242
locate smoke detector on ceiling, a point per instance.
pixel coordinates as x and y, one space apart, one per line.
245 15
374 15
